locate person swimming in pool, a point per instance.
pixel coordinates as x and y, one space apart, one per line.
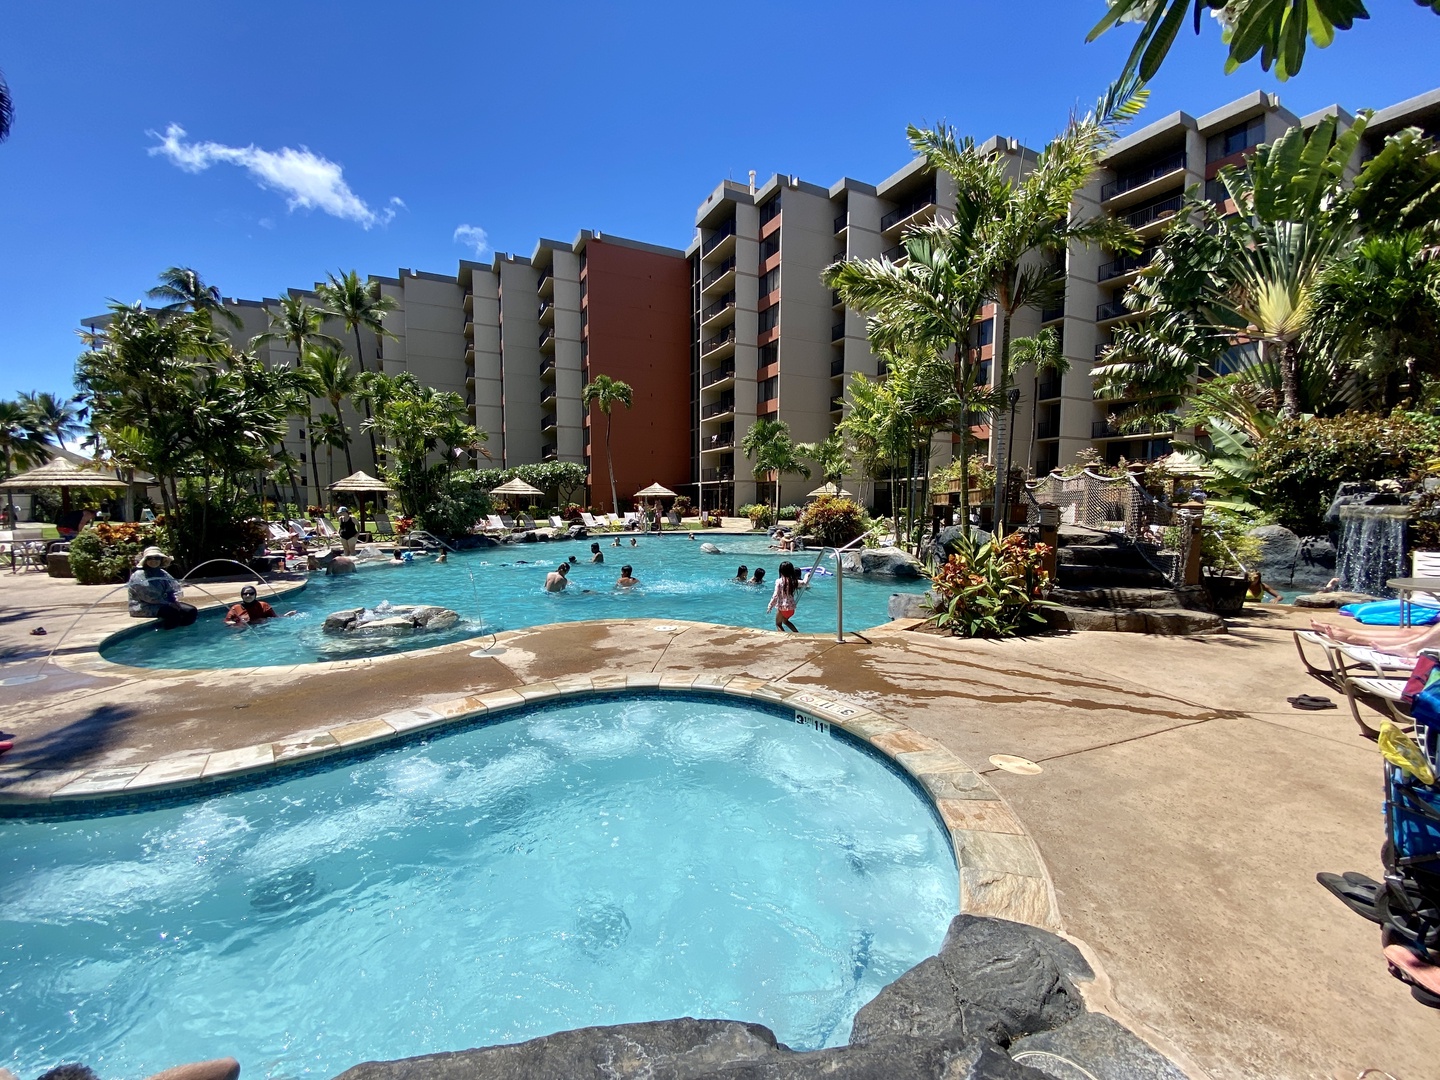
759 578
742 575
596 555
558 579
627 578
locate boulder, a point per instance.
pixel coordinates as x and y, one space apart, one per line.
1315 563
882 562
337 621
1279 552
710 549
909 605
1335 599
390 619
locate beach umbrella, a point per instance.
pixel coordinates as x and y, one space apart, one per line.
64 474
830 489
655 491
359 483
516 486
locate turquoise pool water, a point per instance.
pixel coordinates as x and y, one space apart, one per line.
601 861
501 589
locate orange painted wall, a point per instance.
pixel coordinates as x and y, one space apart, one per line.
639 333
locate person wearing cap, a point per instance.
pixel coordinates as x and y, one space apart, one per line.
250 610
154 594
349 530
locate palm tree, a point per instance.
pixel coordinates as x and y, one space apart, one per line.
299 325
56 416
769 445
23 443
831 455
187 291
330 431
7 109
361 306
605 393
1043 351
332 379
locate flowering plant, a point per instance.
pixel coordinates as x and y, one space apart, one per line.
990 589
403 525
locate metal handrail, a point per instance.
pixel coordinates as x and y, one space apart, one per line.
839 580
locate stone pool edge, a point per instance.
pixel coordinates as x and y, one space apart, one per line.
1002 874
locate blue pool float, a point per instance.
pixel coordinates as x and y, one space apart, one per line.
1387 613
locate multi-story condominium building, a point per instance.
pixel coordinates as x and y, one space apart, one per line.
739 327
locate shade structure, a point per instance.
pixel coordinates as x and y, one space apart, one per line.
59 472
830 489
516 486
655 491
361 481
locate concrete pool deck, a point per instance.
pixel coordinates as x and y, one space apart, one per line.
1183 808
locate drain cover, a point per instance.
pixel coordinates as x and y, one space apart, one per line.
494 650
667 629
1011 763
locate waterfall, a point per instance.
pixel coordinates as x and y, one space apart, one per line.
1371 549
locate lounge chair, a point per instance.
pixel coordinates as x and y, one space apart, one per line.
382 524
325 529
632 521
557 522
1383 694
494 524
590 522
529 522
1342 660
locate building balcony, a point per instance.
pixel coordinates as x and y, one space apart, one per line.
545 284
1102 349
1052 314
1140 177
724 373
717 476
548 394
547 369
724 407
721 340
842 222
1048 429
903 213
469 329
1115 309
837 367
837 331
1124 266
547 422
718 308
547 337
469 302
837 404
895 254
470 353
1154 214
1104 429
1048 390
547 313
470 380
835 301
723 440
717 238
724 270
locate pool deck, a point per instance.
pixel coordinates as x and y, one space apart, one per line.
1182 810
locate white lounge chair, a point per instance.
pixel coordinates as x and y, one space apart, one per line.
494 524
1342 660
590 522
1380 693
557 522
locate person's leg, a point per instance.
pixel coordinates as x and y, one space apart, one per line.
219 1069
175 615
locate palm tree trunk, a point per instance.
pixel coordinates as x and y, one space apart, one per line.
1034 421
610 464
310 438
1001 368
961 350
1290 380
345 433
374 454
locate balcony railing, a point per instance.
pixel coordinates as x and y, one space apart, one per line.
546 336
837 366
1048 429
1047 390
909 209
837 331
548 451
1135 179
719 408
547 421
1104 429
716 476
1147 214
546 366
842 221
718 236
1050 314
894 254
1113 310
720 374
547 395
545 275
728 300
709 345
1123 265
834 298
837 404
545 305
717 442
719 272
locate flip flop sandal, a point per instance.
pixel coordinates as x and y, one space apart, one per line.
1311 702
1423 978
39 631
1358 896
6 745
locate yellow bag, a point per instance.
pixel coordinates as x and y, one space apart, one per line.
1402 751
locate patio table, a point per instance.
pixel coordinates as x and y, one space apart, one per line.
1407 587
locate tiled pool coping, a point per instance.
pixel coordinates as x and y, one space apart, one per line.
1001 871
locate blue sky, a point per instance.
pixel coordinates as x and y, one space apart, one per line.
322 136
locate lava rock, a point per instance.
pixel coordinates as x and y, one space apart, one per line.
1335 599
1279 553
337 621
1108 1050
1315 563
398 619
882 562
910 605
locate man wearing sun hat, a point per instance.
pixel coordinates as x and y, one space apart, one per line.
154 594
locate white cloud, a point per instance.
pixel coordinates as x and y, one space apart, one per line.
473 237
305 178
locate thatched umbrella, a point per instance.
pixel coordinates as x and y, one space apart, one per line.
655 491
517 489
360 483
62 473
830 489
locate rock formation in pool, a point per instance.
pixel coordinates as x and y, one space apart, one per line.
388 618
998 1003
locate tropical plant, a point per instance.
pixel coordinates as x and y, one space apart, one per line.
105 553
361 306
329 431
457 503
830 455
993 589
7 109
24 442
833 520
1276 30
774 453
760 515
58 417
187 291
604 393
328 375
300 326
415 421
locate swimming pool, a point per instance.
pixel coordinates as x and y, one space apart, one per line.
597 861
498 589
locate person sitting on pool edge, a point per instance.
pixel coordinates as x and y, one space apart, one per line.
154 594
626 578
250 610
596 555
558 579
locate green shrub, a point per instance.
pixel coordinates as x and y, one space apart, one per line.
760 515
789 513
105 553
1300 463
833 520
214 522
992 590
682 505
459 502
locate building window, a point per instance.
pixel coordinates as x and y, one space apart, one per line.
769 388
769 282
985 333
584 287
769 354
770 245
982 377
1238 138
770 209
770 318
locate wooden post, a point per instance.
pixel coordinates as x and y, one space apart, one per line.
1192 519
1050 536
